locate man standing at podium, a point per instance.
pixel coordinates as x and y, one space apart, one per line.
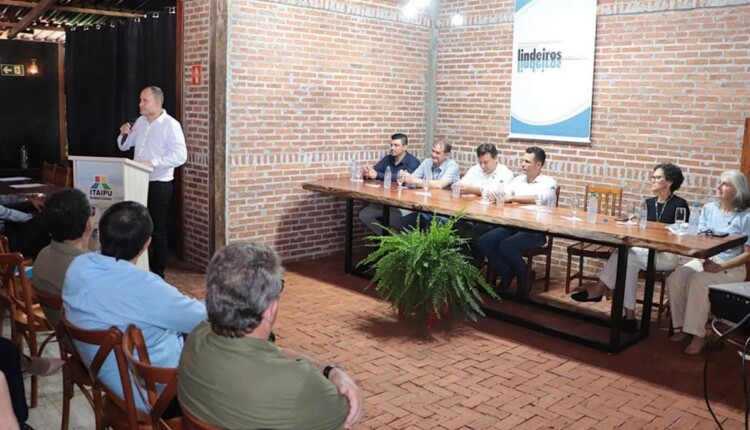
160 144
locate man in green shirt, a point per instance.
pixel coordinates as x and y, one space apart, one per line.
67 215
231 376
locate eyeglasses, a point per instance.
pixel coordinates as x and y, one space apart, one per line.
93 210
724 184
711 233
282 286
656 178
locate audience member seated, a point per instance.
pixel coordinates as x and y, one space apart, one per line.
666 179
688 285
488 172
14 411
398 159
231 376
439 170
25 231
504 246
107 289
67 215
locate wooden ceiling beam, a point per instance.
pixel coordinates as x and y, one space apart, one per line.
8 24
87 10
31 16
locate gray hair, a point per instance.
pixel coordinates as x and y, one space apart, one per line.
157 93
739 182
242 280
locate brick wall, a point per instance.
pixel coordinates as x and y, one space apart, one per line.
671 84
195 126
315 83
312 85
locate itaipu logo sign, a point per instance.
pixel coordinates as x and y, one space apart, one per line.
100 189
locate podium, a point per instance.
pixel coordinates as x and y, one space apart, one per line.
109 180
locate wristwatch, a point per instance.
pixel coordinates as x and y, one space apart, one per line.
327 370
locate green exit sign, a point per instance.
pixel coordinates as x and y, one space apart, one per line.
12 69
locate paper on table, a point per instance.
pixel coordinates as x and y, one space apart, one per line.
14 179
626 223
26 185
570 218
373 185
675 229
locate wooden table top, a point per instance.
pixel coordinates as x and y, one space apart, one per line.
44 189
606 229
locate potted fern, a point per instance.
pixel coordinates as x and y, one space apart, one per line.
424 272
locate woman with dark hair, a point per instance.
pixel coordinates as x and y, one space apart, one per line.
688 285
665 180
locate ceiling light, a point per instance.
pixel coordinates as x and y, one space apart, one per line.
457 20
421 4
410 11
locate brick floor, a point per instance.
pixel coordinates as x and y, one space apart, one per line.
491 375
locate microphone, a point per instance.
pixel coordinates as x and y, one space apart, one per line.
131 122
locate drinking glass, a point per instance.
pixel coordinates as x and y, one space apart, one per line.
575 202
426 183
400 179
680 215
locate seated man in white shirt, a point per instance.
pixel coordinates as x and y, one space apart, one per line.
488 172
440 171
504 247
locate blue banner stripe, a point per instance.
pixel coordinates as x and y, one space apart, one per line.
521 3
577 126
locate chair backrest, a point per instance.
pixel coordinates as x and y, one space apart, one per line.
4 247
609 199
147 376
194 423
557 196
48 172
109 342
62 177
20 296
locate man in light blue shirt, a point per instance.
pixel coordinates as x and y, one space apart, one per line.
440 170
106 289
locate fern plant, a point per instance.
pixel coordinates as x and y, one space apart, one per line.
425 272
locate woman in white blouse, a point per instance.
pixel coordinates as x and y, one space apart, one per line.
688 285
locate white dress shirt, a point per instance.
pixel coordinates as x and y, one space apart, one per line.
520 186
476 177
160 142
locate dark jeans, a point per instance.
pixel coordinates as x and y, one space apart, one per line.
504 248
10 365
473 231
159 198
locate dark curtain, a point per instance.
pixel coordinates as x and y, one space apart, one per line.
106 67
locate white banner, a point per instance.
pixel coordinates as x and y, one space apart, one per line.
553 70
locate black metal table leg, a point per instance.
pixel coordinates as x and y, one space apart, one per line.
648 293
618 299
348 236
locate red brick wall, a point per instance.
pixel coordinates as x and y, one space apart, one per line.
195 126
312 85
670 85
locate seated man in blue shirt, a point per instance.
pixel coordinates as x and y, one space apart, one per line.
398 159
440 171
107 289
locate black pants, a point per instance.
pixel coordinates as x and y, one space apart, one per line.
159 199
28 237
10 364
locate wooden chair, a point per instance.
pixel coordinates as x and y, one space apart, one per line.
545 250
194 423
609 202
48 172
147 379
63 177
74 372
26 314
4 297
113 411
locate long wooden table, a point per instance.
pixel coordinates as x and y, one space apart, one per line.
605 231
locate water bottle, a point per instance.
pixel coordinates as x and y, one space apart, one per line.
551 198
387 178
591 209
456 190
353 170
500 193
642 215
24 157
694 220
